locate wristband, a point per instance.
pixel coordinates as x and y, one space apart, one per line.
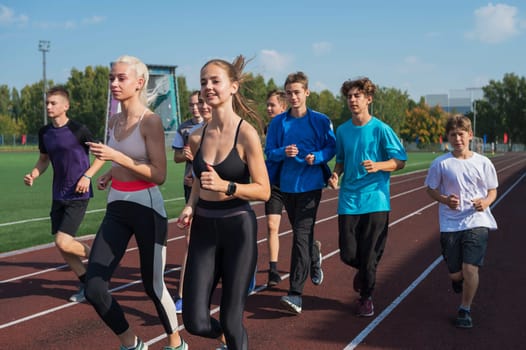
87 177
231 189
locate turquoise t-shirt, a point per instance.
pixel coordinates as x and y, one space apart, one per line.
361 192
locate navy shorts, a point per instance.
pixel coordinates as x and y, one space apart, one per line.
276 202
66 216
468 246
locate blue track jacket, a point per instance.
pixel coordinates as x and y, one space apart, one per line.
312 133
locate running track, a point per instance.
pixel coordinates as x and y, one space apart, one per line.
414 304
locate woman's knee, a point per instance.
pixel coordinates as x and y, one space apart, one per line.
95 291
208 327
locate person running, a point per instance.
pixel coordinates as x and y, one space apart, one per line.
304 142
464 183
367 151
182 153
205 112
135 206
276 104
63 144
229 167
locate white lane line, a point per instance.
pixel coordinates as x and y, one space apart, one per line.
376 321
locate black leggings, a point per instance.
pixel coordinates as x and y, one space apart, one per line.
223 245
122 220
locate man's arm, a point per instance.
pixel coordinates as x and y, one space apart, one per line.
39 168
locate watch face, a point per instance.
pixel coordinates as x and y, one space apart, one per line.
231 188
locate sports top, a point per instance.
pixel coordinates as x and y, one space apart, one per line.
132 145
232 168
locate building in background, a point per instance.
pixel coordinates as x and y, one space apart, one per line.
457 100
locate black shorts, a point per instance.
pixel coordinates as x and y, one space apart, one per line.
276 202
468 246
66 216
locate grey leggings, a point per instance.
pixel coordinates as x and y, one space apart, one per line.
122 220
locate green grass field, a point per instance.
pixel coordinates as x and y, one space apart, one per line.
24 211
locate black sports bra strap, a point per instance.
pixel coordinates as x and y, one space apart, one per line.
203 136
235 139
237 132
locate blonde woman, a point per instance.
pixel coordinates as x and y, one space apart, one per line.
135 206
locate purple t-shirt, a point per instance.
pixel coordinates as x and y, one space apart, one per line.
69 156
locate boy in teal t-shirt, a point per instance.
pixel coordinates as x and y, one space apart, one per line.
367 151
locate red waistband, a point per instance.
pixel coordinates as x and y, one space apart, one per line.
130 186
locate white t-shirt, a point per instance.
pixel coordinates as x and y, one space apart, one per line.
468 179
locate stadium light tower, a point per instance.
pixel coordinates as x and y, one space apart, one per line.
43 46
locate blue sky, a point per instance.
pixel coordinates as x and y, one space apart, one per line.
421 47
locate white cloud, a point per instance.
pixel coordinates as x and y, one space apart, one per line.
8 17
94 20
495 23
272 61
322 48
56 25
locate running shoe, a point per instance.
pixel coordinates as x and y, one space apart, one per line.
365 307
252 285
464 319
292 303
78 296
179 306
140 346
316 273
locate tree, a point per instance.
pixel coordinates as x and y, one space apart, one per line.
184 97
423 125
32 107
15 104
503 109
88 92
9 126
5 101
390 105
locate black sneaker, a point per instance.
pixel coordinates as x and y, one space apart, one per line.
457 286
316 273
464 319
273 278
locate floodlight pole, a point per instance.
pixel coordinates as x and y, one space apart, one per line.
43 46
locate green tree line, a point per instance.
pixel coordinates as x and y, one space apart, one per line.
502 109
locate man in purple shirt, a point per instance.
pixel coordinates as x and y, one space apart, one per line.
62 143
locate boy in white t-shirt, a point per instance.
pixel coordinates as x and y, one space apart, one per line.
465 184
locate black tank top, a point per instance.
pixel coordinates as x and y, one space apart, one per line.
232 168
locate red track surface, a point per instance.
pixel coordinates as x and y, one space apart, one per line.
411 312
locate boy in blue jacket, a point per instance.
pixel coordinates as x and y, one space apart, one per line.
303 141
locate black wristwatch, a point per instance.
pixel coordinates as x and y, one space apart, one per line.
231 189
